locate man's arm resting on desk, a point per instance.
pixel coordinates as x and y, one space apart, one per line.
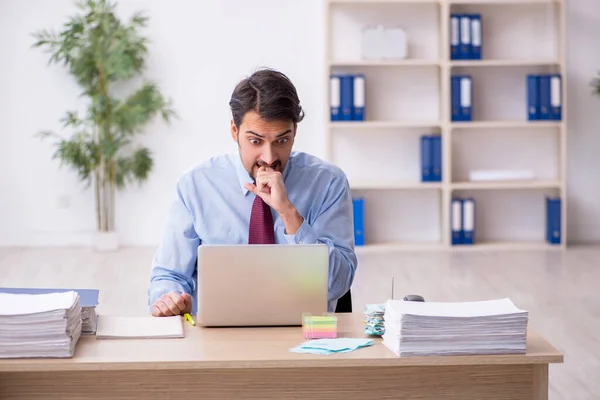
173 266
334 227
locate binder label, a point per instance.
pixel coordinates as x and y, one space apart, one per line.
454 31
476 32
456 216
465 31
334 93
465 92
469 214
555 91
359 91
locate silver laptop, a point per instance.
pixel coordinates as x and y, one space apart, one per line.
261 285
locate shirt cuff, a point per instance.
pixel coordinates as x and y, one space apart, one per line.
161 287
304 235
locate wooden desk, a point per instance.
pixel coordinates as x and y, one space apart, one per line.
255 363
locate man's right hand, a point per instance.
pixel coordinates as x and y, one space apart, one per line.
173 303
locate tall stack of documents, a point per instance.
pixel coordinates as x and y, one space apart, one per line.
87 297
455 328
39 325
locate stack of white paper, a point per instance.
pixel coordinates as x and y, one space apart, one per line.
467 328
39 325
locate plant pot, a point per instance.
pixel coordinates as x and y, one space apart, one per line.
106 241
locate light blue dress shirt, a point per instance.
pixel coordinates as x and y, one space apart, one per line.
211 206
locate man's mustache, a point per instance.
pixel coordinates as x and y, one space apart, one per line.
275 165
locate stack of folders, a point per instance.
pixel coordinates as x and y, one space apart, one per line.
374 323
455 328
39 325
347 97
544 98
465 36
87 297
462 214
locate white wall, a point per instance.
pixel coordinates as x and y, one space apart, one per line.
199 50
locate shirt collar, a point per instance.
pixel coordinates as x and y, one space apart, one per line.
244 177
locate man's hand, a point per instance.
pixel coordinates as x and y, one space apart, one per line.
270 187
173 303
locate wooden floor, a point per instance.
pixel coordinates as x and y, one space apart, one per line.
560 289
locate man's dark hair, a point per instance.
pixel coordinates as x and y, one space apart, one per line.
269 93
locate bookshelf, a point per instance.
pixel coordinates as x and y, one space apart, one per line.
406 98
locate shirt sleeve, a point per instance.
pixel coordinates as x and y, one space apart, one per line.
174 262
333 226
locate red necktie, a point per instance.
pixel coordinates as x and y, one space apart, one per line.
261 223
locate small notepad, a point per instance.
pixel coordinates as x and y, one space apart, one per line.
115 327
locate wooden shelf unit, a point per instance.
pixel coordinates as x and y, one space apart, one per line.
406 98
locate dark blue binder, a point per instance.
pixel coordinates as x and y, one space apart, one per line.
465 37
555 97
468 225
476 36
358 205
358 103
436 158
544 97
334 97
553 220
456 221
426 159
533 97
466 98
346 97
455 97
455 36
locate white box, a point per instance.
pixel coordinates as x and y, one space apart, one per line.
380 43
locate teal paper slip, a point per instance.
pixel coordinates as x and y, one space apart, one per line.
331 346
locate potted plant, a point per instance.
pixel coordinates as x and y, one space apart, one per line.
102 53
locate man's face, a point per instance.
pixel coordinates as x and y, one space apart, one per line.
263 143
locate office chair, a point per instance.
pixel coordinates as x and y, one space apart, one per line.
344 303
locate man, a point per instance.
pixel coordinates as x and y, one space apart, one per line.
227 199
